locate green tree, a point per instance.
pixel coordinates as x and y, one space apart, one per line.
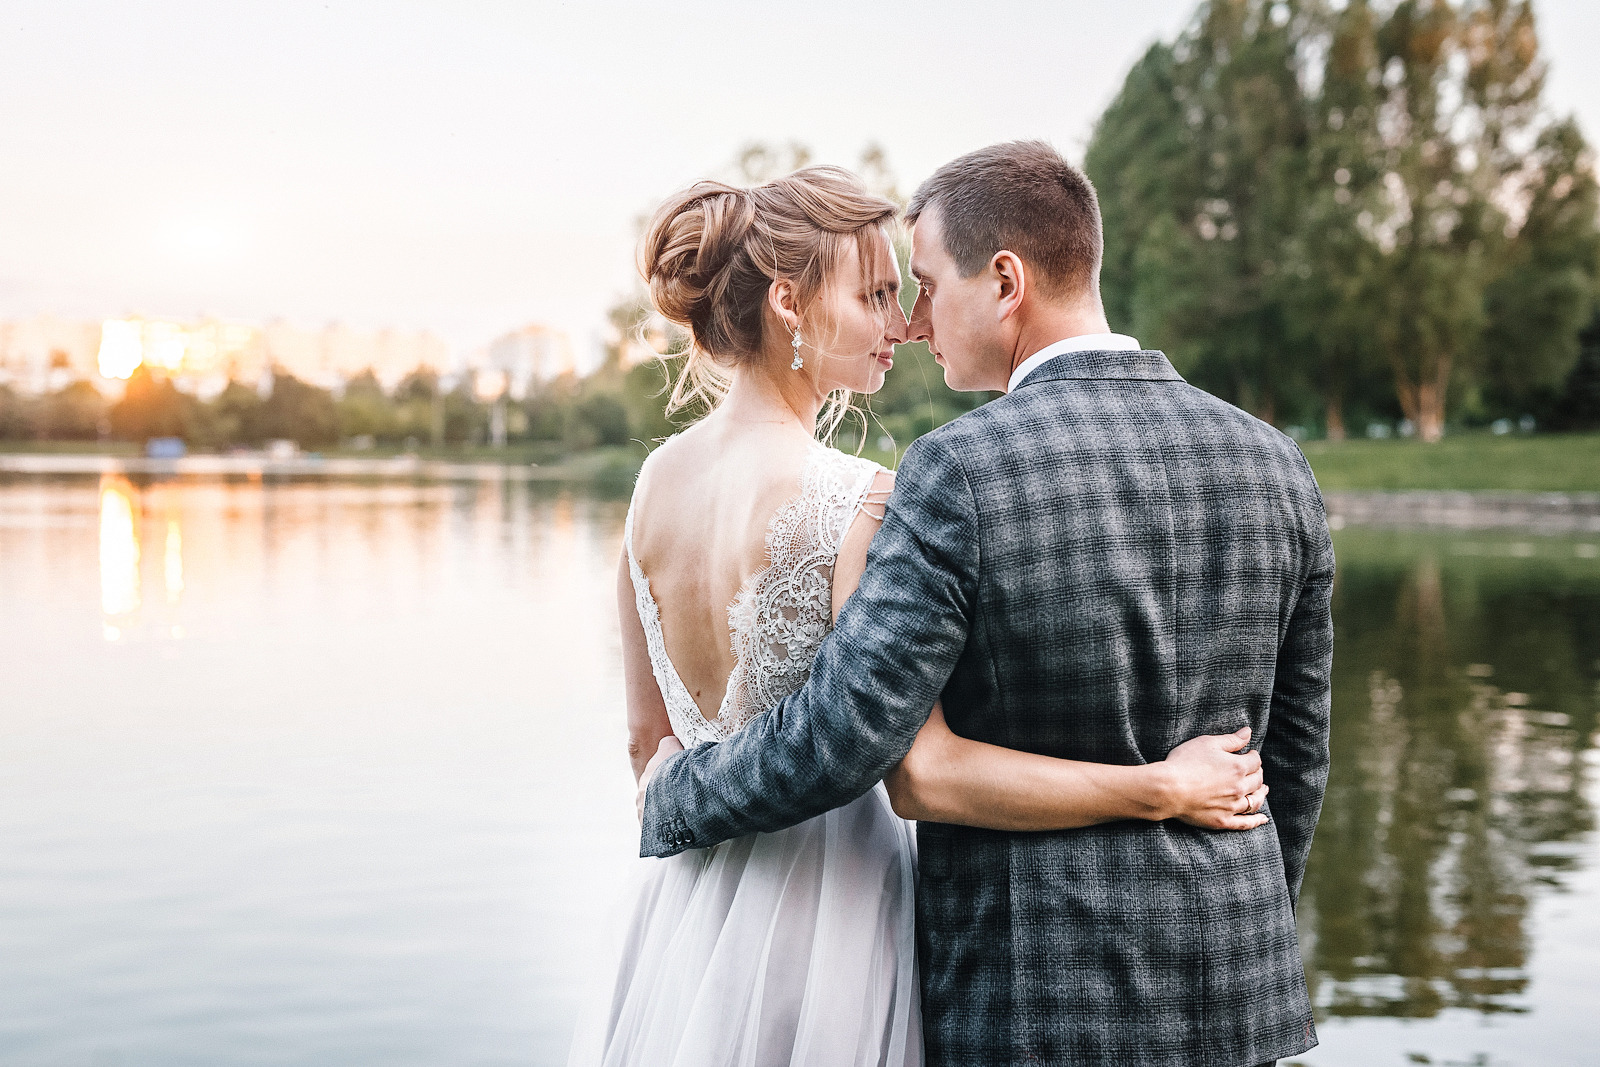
545 416
364 410
1297 195
1139 159
234 417
15 418
1434 219
1484 218
1544 291
464 419
300 412
644 389
76 412
1329 266
603 419
1211 136
419 413
1578 405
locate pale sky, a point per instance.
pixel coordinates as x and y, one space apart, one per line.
474 165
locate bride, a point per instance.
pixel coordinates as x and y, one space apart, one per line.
744 538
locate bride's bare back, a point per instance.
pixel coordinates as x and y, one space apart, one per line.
736 528
701 514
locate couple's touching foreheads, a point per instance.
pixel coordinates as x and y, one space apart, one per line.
969 763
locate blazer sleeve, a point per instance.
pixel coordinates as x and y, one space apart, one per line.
872 685
1294 753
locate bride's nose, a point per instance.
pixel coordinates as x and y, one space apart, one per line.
898 332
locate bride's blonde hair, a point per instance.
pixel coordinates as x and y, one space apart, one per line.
712 251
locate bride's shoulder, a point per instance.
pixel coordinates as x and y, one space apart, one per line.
708 459
670 460
663 453
852 468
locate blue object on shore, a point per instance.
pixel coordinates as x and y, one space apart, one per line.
165 448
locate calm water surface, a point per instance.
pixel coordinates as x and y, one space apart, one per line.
332 774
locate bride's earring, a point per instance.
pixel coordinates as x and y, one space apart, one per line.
798 362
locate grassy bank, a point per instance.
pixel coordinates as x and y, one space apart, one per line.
1548 463
1562 463
1480 462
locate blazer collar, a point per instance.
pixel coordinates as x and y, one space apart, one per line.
1098 365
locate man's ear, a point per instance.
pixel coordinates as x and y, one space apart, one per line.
1011 282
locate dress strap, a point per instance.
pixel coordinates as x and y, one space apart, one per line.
874 502
627 544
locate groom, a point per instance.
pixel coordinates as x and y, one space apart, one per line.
1099 565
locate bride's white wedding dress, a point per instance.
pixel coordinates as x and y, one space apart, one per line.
795 948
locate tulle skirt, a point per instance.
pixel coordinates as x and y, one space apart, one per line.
793 949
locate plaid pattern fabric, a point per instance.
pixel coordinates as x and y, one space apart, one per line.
1099 565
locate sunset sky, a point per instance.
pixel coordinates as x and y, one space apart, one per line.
472 166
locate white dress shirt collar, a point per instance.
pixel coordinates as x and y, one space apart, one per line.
1088 342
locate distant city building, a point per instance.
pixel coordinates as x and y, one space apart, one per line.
202 357
528 356
332 356
46 352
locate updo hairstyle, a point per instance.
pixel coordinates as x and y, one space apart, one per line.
712 251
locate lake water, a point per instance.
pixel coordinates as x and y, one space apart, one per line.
332 774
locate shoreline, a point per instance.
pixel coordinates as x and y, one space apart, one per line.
1532 512
1410 509
257 465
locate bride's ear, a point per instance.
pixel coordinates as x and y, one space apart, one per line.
781 302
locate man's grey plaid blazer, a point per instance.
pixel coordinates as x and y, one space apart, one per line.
1100 565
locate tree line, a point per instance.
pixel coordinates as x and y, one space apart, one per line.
422 411
619 406
1329 213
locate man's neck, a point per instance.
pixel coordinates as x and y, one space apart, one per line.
1047 325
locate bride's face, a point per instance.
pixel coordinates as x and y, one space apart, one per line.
862 302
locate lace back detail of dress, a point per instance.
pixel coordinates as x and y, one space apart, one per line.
783 611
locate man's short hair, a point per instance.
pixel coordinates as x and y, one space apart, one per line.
1021 196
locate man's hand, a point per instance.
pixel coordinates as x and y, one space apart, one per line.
668 748
1212 785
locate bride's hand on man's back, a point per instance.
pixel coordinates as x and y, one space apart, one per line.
666 748
1211 784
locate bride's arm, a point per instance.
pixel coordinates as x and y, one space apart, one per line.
951 779
648 725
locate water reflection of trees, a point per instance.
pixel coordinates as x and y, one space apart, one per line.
1464 696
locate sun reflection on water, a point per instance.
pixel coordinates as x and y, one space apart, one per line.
130 518
119 554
